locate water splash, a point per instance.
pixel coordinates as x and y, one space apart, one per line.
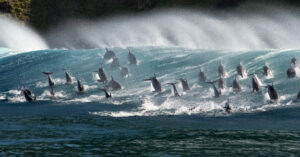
17 36
184 28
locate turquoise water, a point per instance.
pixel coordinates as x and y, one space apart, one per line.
137 121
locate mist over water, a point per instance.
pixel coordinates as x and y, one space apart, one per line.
270 28
17 36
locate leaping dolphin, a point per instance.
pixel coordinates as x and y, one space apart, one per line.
101 74
174 89
255 83
106 93
266 70
113 84
221 83
185 85
273 94
131 58
221 70
109 54
202 76
236 85
50 82
80 86
124 72
28 95
291 72
155 83
293 61
216 91
298 96
68 78
115 63
228 107
240 70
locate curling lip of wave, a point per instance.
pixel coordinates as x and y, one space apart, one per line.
184 28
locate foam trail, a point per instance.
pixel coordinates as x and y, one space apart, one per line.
17 36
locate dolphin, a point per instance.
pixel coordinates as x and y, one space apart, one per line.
221 70
50 82
106 93
109 54
174 89
298 96
266 70
236 85
216 91
28 95
293 61
131 58
228 107
221 83
291 72
68 78
80 86
255 83
155 83
202 76
273 94
124 72
114 85
185 85
115 63
240 70
101 74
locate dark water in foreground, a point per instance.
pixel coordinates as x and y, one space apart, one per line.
68 131
138 123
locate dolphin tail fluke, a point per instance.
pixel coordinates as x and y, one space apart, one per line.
149 79
172 83
212 82
47 73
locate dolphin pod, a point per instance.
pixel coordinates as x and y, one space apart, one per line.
115 85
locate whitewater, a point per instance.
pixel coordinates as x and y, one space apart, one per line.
171 44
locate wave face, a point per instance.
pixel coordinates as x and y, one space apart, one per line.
139 120
169 64
18 37
267 28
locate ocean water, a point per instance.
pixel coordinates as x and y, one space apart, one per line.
138 122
